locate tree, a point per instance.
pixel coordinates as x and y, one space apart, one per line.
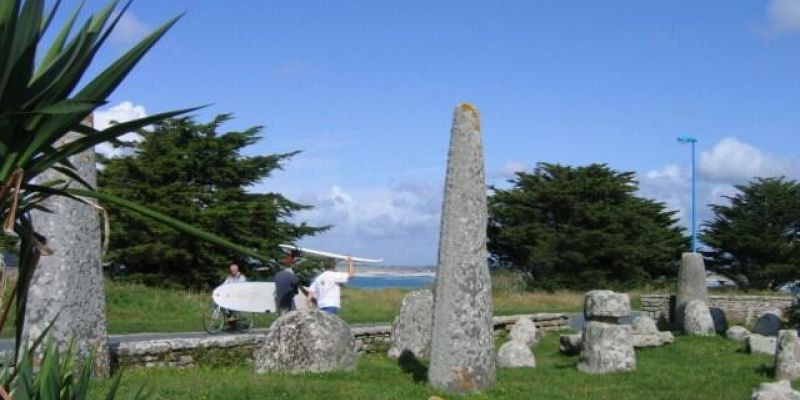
755 240
582 227
190 171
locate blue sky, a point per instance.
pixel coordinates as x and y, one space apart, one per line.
366 89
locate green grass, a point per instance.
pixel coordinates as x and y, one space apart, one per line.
691 368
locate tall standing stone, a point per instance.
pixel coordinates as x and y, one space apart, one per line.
70 281
462 346
691 283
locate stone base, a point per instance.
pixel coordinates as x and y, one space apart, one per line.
607 348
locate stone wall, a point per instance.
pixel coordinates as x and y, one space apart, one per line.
736 308
239 348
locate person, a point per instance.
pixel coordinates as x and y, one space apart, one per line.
235 275
287 284
325 288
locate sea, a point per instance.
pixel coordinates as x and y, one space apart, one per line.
389 280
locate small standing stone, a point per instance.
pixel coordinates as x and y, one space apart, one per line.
787 356
462 346
411 330
691 283
606 348
775 391
515 354
524 331
768 324
697 319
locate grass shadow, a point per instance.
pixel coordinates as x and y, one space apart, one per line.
411 365
766 370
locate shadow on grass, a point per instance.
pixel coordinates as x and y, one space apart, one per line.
411 365
766 370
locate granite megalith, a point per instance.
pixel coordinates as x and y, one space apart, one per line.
411 330
697 319
606 348
68 283
691 283
462 345
307 341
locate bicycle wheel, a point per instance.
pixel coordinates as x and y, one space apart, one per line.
213 319
244 321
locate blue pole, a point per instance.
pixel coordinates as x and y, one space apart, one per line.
692 141
694 212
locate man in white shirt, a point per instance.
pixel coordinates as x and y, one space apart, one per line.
325 288
235 276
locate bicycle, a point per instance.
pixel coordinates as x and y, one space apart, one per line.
216 318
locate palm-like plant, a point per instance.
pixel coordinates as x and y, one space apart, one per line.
40 104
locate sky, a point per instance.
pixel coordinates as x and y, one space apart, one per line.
367 89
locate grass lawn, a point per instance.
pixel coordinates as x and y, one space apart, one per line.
690 368
136 308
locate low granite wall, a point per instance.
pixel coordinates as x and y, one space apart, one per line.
239 348
737 308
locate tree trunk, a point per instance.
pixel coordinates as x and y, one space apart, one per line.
69 283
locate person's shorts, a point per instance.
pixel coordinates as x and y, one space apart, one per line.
330 310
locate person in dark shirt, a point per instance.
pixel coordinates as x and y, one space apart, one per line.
286 284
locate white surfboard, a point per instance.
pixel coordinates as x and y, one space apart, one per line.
289 247
246 296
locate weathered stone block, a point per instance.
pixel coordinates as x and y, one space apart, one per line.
759 344
606 305
606 348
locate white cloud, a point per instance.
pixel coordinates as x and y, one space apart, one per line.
729 162
121 112
129 30
399 223
669 185
783 16
733 161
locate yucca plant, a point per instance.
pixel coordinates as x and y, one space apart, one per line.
56 375
40 103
